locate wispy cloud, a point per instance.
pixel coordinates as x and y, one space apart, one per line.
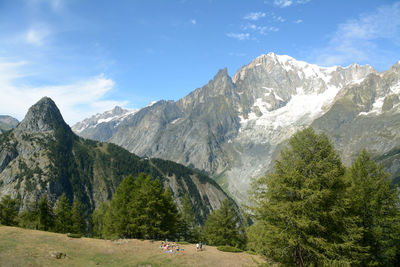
76 100
254 16
36 35
263 30
239 36
298 21
193 21
287 3
360 39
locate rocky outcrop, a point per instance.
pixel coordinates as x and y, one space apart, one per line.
7 123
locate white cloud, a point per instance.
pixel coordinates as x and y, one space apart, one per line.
287 3
360 39
193 21
298 21
263 30
254 16
239 36
76 100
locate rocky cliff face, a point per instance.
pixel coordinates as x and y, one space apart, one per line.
7 123
43 155
233 128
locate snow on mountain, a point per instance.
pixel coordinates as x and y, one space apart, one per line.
232 127
115 115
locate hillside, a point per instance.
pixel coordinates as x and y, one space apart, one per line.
21 247
42 155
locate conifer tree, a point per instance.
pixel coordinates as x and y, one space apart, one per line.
99 220
45 214
63 215
187 220
116 219
78 223
375 203
141 208
223 227
299 205
9 211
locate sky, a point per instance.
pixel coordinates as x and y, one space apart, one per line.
90 55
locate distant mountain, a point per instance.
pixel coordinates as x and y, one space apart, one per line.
234 127
7 123
43 155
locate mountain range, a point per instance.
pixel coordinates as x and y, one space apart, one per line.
42 155
234 127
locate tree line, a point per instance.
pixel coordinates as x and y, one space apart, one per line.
309 211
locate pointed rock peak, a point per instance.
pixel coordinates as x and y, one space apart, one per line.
42 117
117 110
395 67
221 73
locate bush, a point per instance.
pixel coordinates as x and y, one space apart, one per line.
74 235
229 249
183 243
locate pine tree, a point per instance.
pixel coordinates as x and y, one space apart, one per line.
63 215
78 223
223 227
375 203
299 205
116 219
141 208
45 214
187 221
99 220
9 211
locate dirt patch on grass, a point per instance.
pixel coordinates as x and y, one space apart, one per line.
21 247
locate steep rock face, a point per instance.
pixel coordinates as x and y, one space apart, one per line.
43 155
234 128
7 123
367 115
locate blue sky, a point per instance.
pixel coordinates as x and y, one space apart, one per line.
92 55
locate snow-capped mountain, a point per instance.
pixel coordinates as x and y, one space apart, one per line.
101 126
233 127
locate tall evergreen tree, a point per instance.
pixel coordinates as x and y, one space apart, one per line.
299 205
223 227
45 214
99 220
63 215
116 219
141 208
78 222
187 221
376 204
9 211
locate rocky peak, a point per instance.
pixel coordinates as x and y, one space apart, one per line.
220 85
44 116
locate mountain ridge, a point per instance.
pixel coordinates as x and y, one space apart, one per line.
43 155
232 127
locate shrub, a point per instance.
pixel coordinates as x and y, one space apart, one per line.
72 235
229 249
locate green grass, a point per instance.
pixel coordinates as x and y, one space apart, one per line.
22 247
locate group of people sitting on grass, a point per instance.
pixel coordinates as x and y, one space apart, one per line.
170 248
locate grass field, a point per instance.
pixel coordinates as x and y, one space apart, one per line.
22 247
